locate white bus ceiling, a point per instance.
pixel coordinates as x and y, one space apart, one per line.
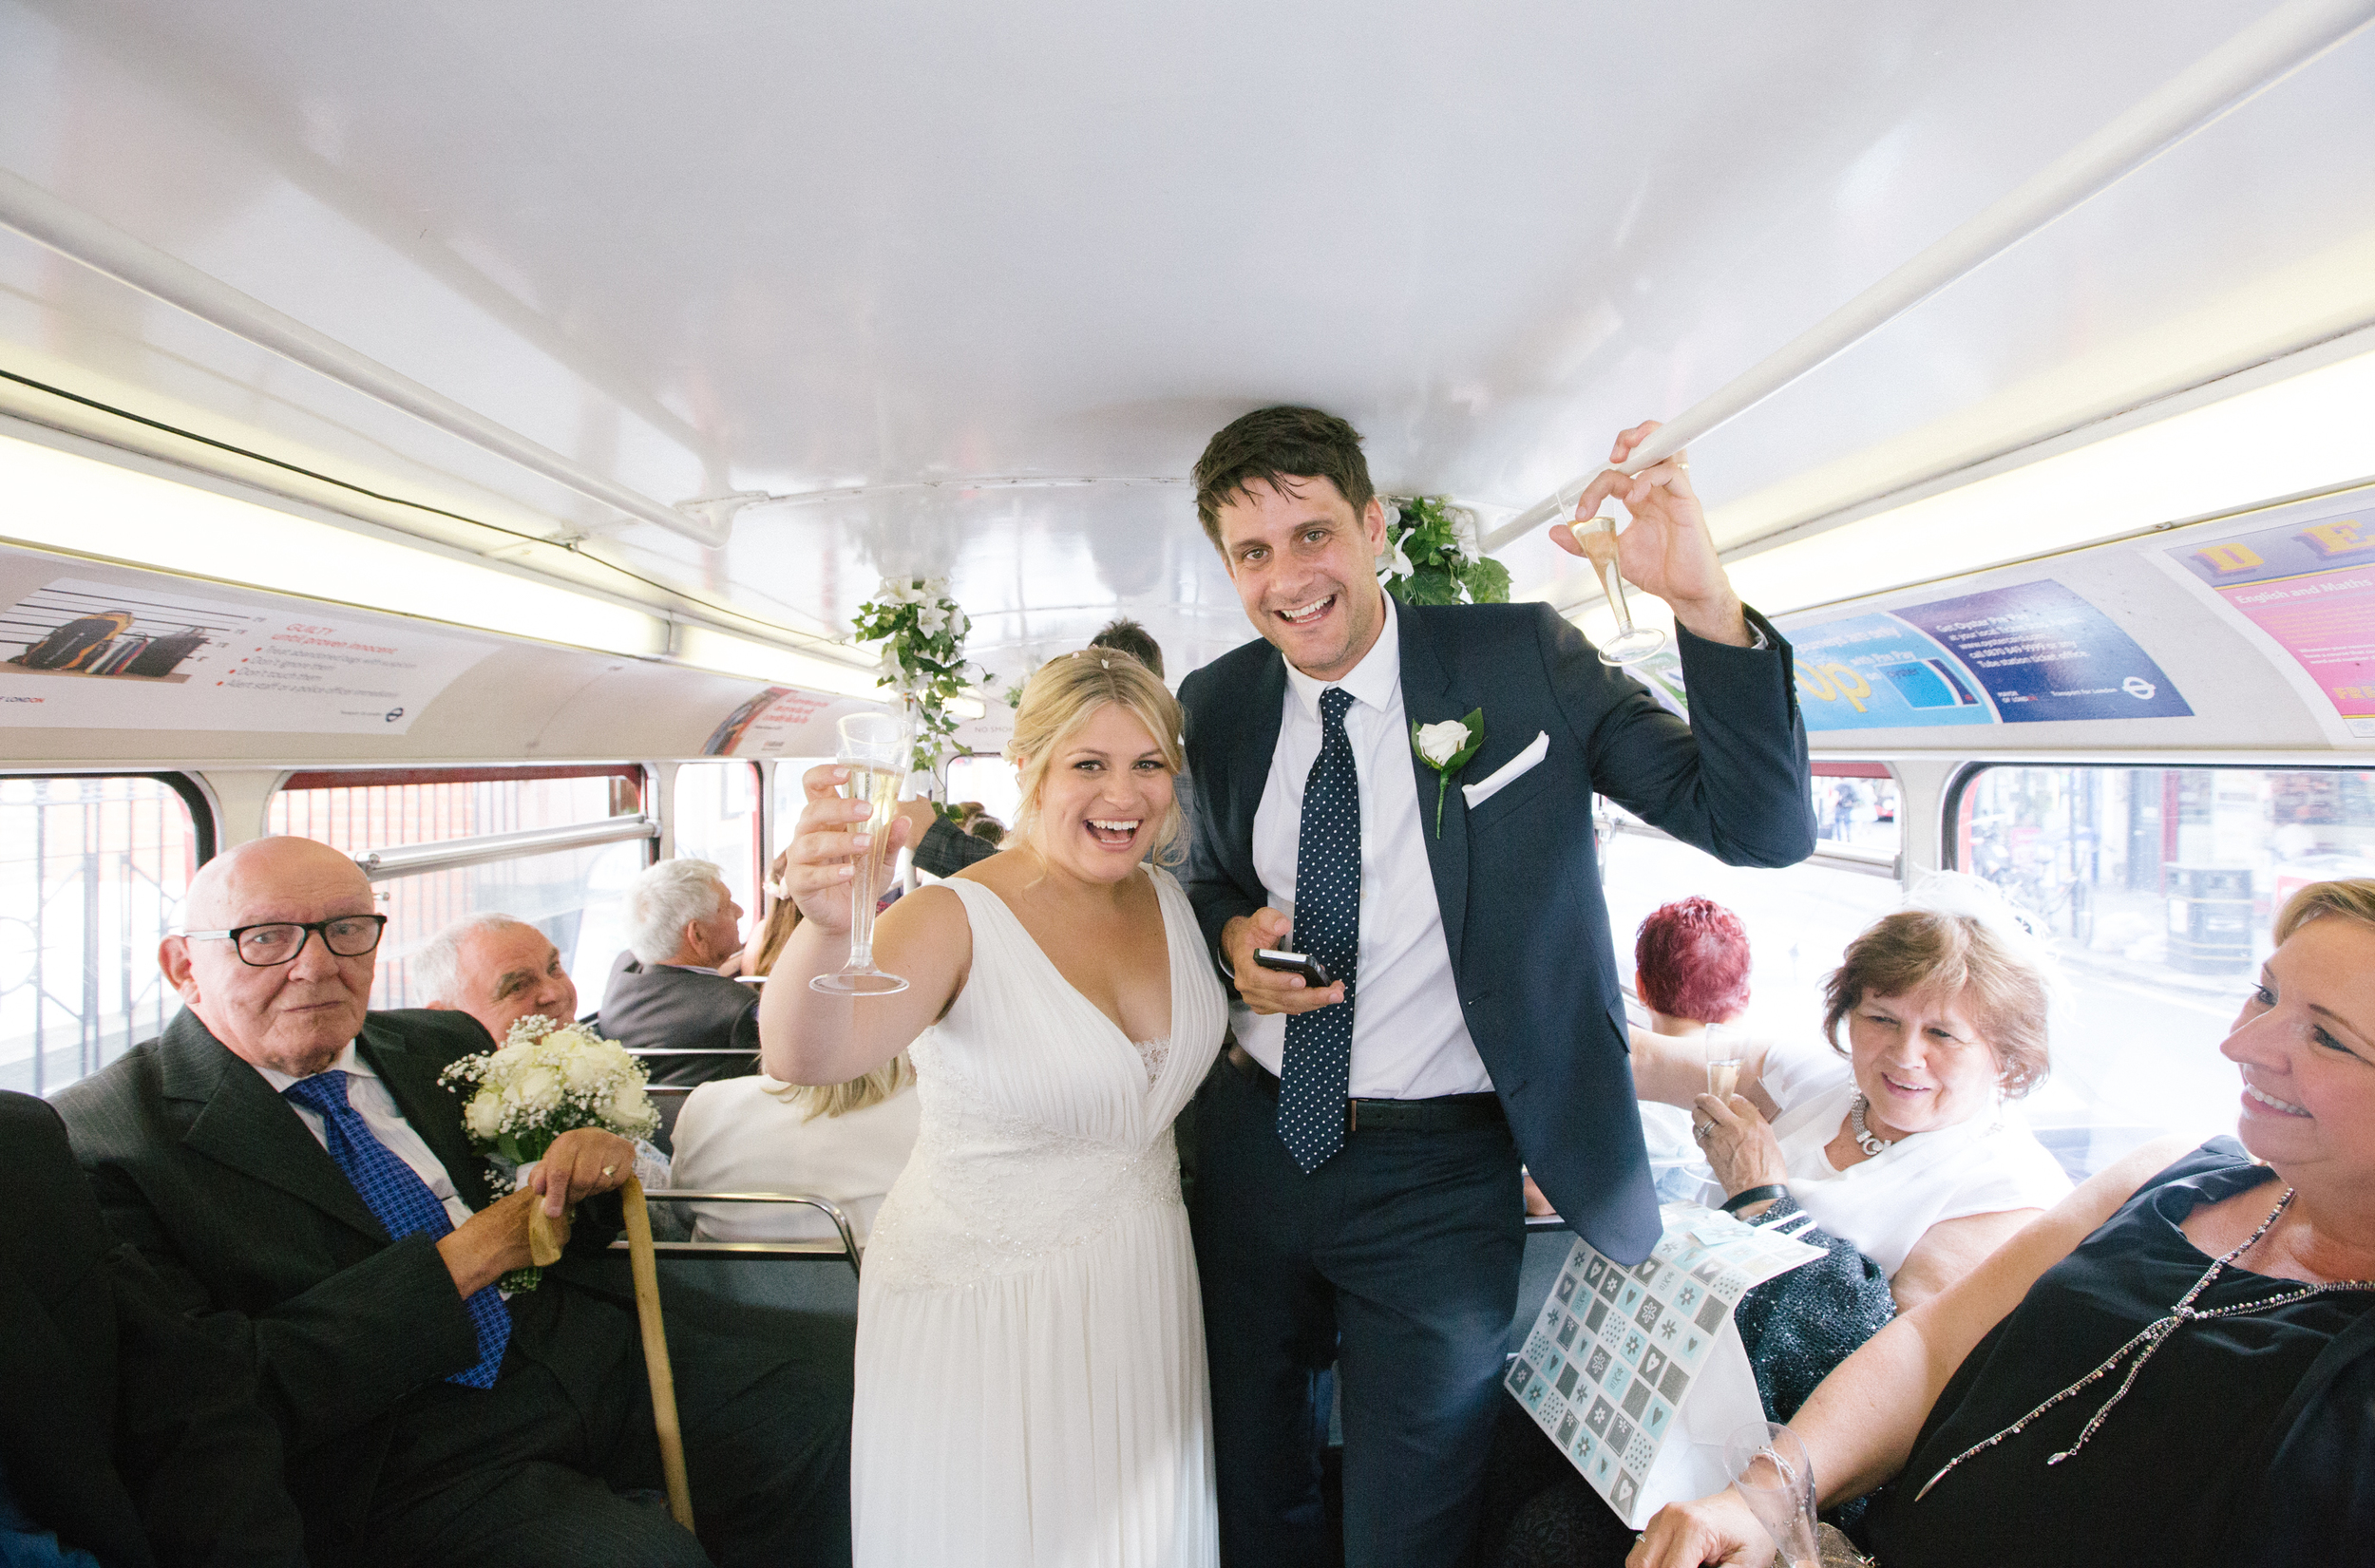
963 293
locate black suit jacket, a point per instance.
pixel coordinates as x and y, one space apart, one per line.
663 1008
1517 879
260 1238
129 1433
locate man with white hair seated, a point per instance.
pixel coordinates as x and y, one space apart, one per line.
496 968
665 992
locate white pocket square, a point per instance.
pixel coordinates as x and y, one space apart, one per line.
1509 772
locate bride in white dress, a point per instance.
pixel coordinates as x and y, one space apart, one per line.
1030 1374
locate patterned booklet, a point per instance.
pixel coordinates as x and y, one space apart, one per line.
1636 1374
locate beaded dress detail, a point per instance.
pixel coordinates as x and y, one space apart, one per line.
1030 1365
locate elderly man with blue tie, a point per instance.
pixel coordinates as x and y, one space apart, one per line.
298 1176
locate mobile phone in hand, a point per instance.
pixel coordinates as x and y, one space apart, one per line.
1315 974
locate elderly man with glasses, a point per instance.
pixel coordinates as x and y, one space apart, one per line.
298 1176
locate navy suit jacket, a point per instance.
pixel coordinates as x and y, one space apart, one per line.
1517 879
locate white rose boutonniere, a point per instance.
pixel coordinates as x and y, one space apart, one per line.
1446 747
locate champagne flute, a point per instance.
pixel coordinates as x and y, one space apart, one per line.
1723 1062
874 749
1771 1471
1596 537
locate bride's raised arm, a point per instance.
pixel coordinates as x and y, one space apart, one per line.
807 1036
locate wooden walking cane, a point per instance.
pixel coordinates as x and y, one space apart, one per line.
656 1351
546 1237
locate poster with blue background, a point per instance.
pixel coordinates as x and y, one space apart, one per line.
1877 672
2030 653
2042 653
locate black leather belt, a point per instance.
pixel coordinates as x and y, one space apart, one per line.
1444 1113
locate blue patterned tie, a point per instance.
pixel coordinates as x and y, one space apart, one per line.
401 1201
1319 1064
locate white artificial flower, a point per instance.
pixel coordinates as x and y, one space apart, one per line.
585 1070
484 1116
537 1090
1440 742
930 619
629 1106
1398 566
1465 542
1393 512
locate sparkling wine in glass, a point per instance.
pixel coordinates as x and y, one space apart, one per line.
1723 1061
1596 537
1770 1470
874 750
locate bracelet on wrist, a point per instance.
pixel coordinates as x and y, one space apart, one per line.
1739 1201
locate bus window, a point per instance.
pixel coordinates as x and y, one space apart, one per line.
2157 886
91 870
1855 807
789 797
717 819
571 893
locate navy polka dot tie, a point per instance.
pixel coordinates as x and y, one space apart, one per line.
403 1205
1328 927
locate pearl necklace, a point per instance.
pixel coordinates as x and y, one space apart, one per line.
2151 1339
1865 1138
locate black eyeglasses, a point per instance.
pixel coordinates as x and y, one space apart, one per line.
264 946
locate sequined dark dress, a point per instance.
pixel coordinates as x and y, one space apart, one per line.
2248 1441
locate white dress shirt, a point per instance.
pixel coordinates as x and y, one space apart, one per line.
369 1097
1410 1041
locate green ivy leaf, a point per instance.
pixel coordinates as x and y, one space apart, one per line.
1487 580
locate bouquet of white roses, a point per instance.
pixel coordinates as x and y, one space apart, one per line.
548 1079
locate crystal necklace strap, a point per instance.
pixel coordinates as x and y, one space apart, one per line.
2151 1340
1865 1138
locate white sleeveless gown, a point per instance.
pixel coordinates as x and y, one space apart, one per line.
1030 1365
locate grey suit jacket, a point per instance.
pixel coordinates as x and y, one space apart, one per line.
660 1007
259 1238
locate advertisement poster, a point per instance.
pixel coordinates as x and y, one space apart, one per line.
780 722
2304 590
93 655
2031 653
2042 653
1877 672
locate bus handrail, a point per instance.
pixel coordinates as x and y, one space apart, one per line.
451 854
848 1249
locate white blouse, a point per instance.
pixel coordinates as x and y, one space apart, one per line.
733 1135
1983 1164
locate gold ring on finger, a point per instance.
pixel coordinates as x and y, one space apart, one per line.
610 1170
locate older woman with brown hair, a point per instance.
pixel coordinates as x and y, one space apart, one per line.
1901 1138
2174 1367
1896 1150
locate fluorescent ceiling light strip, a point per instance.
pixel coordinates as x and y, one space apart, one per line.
2315 431
730 655
64 501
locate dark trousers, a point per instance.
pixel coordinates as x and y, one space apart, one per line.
1396 1261
532 1471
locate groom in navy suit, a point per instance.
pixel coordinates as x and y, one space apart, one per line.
1358 1198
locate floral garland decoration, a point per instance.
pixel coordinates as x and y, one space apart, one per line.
923 634
1432 556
